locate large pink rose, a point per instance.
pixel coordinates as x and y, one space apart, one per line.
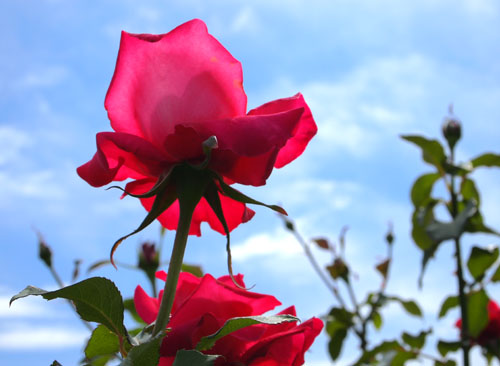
169 94
491 332
202 306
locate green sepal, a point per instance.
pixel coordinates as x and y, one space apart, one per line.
163 201
213 199
236 195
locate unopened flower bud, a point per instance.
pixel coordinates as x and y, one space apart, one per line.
452 129
44 252
148 257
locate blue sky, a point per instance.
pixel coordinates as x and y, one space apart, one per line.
369 71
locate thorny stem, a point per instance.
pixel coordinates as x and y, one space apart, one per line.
464 334
174 269
317 268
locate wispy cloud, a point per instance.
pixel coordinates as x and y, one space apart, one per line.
29 337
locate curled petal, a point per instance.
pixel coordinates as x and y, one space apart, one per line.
120 156
302 134
222 301
147 307
160 81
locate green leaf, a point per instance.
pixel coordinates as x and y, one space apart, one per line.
377 320
445 363
480 260
234 324
496 275
410 306
145 354
477 311
445 347
488 160
342 315
102 342
193 269
449 303
417 341
421 218
428 255
469 191
193 358
96 299
336 342
422 188
398 359
440 231
432 150
338 269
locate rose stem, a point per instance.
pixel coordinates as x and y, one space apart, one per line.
464 334
174 268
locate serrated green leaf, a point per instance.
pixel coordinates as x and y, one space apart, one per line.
96 299
145 354
336 342
422 188
432 150
477 311
410 306
445 347
377 320
102 342
234 324
449 303
417 341
480 260
488 160
193 358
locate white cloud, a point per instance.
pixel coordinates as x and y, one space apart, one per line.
12 142
29 337
43 77
279 244
245 21
26 308
41 184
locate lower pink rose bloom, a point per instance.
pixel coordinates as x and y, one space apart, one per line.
202 306
492 330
